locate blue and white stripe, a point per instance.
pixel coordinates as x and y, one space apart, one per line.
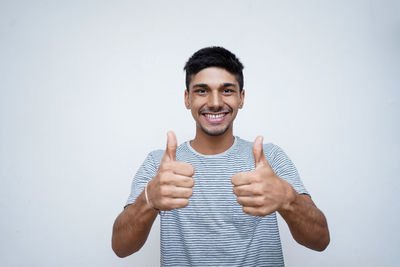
213 230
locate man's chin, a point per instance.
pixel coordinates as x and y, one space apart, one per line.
215 132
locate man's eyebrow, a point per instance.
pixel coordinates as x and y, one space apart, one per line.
228 84
200 85
204 85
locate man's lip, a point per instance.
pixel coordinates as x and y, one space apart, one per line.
214 113
219 116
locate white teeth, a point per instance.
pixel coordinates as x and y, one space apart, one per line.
212 116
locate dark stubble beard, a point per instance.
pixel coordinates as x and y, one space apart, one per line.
216 133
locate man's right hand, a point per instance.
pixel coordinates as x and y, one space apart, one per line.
173 184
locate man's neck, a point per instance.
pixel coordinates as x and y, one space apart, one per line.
210 145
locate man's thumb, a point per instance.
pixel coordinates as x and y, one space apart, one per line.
170 152
258 152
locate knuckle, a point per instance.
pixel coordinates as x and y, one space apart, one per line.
186 202
193 170
257 178
259 202
190 169
169 204
234 180
167 165
190 193
163 177
165 191
265 211
246 210
258 190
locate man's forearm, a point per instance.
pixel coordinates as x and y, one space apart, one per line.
307 223
132 227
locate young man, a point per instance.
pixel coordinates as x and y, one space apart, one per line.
218 194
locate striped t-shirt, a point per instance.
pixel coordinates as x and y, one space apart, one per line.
213 230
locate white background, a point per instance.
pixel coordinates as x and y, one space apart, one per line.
88 88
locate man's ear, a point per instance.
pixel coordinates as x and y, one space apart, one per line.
187 103
241 98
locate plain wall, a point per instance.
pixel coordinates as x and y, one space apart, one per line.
88 88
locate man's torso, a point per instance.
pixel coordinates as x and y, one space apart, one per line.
213 230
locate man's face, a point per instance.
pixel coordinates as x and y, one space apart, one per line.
214 100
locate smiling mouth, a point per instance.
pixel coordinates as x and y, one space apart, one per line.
215 117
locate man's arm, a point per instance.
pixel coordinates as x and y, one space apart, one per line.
262 192
169 189
132 227
307 223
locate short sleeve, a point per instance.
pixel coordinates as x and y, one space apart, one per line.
285 169
144 174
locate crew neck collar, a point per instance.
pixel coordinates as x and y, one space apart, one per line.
214 155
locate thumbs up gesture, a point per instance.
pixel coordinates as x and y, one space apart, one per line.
172 186
261 191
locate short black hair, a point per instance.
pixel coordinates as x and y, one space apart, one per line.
214 56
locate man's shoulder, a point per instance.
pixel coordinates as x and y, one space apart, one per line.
157 154
269 148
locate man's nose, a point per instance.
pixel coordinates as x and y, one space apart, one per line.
215 100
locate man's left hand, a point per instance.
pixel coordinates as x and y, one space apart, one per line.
261 191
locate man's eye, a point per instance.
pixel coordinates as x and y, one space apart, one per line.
228 91
201 91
